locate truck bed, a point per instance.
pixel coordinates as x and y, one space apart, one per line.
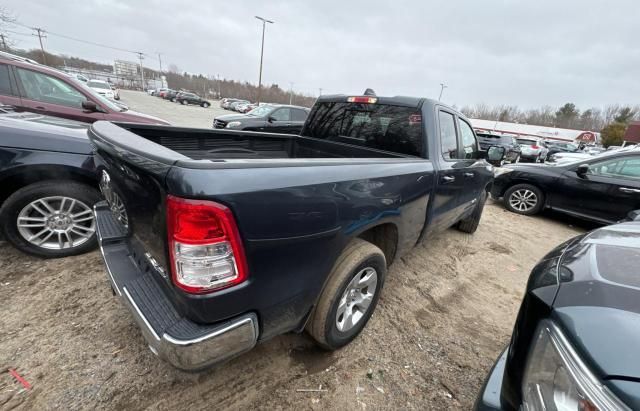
220 145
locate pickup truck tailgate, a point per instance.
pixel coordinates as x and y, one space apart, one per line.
133 182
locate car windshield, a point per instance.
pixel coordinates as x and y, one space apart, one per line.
98 97
261 111
98 84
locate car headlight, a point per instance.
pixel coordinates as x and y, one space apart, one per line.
498 171
556 378
233 124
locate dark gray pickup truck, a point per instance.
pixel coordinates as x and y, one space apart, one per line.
232 237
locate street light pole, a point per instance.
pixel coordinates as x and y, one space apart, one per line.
442 87
290 92
264 24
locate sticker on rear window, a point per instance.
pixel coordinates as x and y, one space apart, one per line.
415 119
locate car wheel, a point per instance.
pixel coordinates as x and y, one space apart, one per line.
525 199
350 295
184 102
205 105
51 219
470 224
516 160
173 100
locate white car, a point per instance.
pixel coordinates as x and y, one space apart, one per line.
532 148
103 88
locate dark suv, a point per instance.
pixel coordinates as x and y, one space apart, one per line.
510 144
272 118
29 86
191 98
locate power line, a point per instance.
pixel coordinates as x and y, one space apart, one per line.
77 39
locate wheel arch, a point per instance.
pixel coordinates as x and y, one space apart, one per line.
29 174
385 237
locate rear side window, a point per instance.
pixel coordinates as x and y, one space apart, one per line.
5 82
282 114
298 115
379 126
448 139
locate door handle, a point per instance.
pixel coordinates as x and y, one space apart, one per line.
469 175
448 179
629 190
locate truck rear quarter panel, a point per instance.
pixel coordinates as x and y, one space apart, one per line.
295 221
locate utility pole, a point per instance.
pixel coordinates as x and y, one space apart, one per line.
442 87
4 42
319 91
160 60
264 24
290 92
141 56
40 34
219 86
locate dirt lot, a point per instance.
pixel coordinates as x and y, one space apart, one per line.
445 314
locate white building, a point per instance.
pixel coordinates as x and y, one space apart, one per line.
549 133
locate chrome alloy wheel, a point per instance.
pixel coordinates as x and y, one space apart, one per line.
356 299
523 200
56 223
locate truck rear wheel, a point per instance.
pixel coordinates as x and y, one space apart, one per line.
350 295
51 218
470 224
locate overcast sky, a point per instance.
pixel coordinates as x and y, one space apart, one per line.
498 52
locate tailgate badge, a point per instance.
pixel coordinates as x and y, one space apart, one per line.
113 199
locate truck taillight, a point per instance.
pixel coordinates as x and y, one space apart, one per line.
205 248
362 99
535 147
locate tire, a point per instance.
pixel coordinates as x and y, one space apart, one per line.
173 100
525 199
184 102
205 105
470 224
516 160
356 261
56 241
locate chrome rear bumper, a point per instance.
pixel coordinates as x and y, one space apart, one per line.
181 342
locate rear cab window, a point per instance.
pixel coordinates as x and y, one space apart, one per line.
385 127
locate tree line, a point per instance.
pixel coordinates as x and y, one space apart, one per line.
566 116
611 121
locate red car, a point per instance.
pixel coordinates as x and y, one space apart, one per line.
29 86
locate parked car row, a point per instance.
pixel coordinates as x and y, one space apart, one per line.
182 97
236 104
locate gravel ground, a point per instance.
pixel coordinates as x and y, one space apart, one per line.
177 114
445 314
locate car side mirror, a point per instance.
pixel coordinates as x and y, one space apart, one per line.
495 154
633 215
582 170
271 119
89 106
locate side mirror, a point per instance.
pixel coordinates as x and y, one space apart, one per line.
633 215
495 154
582 170
271 119
89 106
